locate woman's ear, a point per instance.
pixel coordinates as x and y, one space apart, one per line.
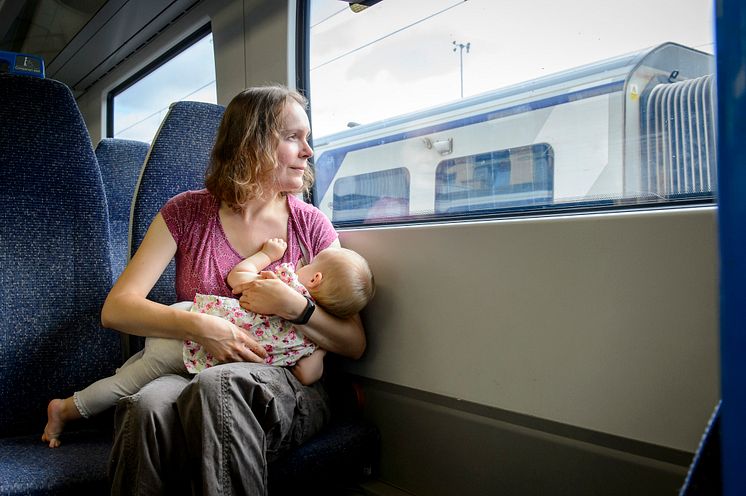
315 280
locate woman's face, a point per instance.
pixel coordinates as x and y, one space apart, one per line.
293 151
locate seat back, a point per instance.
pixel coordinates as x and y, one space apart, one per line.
705 472
55 253
177 162
120 161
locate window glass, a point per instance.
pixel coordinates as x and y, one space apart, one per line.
371 197
495 107
517 177
138 109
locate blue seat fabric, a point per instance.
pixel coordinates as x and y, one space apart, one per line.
120 161
177 162
55 271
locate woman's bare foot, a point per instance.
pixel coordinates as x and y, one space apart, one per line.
59 412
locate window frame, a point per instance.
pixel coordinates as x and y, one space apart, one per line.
167 56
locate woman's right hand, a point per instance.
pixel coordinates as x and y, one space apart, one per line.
227 342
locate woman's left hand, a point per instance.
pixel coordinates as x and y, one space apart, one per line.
268 295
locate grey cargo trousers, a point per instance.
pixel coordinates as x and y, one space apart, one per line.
213 434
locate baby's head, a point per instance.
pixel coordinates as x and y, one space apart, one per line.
339 280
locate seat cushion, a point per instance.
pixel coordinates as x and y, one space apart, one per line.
29 467
345 452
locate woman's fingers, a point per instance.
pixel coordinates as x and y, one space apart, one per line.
248 349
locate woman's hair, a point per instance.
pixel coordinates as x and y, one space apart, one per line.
348 284
245 153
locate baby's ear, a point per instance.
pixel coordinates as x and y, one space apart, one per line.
316 279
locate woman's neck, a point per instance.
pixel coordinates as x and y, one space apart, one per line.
256 208
247 228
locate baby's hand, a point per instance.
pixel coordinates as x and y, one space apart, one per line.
274 248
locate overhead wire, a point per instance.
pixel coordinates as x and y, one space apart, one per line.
387 35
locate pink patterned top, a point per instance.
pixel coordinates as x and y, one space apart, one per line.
204 257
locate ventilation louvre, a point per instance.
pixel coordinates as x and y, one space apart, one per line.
679 129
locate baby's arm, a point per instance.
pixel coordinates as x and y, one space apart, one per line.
248 269
310 368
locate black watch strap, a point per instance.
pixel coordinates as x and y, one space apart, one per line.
306 315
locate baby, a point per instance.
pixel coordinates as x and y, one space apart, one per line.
338 279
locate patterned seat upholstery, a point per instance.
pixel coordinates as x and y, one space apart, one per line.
55 271
120 161
177 162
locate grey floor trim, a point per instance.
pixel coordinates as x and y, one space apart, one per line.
639 448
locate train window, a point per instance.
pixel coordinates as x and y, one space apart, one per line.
187 72
517 177
494 110
371 197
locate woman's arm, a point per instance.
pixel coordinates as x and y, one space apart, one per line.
127 308
344 337
270 296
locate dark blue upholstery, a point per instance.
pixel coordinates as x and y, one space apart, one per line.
55 272
177 162
704 477
120 161
343 454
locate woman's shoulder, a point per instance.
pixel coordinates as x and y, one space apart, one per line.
193 199
299 207
193 196
312 226
185 208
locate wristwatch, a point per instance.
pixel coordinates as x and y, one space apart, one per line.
306 315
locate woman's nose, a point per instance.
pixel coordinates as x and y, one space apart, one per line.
307 150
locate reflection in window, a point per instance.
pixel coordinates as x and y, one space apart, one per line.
501 179
372 196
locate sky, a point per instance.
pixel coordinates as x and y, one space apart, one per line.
139 110
399 56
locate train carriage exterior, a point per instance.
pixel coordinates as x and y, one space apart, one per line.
520 146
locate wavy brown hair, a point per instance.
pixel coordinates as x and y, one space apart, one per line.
245 153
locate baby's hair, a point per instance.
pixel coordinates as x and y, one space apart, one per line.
348 284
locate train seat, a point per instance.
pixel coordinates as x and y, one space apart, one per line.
704 477
120 161
177 161
55 272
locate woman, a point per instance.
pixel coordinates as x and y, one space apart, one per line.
217 431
